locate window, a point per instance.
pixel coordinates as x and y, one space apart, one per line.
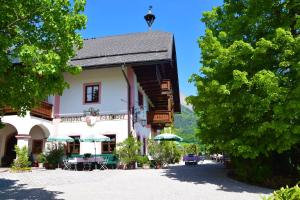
37 146
91 93
109 147
74 147
140 99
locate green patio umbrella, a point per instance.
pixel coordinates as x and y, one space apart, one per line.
168 137
94 137
58 138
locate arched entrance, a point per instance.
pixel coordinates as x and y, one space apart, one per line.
38 135
8 141
10 153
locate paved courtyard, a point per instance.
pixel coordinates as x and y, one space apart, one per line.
206 181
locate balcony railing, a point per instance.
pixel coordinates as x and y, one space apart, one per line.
165 86
159 117
44 110
8 111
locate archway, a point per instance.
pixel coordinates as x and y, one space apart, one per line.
38 135
8 141
10 153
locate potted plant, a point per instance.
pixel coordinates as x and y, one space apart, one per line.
54 157
87 156
163 153
127 152
21 163
144 162
41 160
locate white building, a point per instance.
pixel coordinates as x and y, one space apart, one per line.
129 85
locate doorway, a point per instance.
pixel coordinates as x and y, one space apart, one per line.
9 152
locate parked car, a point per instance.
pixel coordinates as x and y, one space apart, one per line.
217 157
191 159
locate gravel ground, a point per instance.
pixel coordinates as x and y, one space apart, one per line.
207 181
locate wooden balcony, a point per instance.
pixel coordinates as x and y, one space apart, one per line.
44 110
166 86
159 117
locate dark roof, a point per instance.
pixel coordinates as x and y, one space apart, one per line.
129 48
146 48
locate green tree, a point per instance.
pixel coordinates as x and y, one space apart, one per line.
249 89
191 149
37 40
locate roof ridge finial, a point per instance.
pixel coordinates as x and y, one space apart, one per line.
149 17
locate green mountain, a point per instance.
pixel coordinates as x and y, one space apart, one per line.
185 124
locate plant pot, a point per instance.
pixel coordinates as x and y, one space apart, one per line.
121 166
35 164
41 165
131 165
146 166
158 166
49 166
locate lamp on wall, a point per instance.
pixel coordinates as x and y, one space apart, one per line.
143 122
136 112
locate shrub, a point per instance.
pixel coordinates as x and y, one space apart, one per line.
171 152
41 158
127 151
155 151
164 152
143 160
87 155
21 163
54 156
252 171
286 193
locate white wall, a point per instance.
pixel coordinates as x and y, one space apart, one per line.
117 127
23 125
113 100
113 91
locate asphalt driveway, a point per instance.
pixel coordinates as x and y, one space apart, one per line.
207 181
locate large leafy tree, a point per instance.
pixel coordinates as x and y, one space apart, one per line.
248 96
37 40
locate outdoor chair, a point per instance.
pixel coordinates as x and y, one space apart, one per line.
67 165
87 166
70 165
103 163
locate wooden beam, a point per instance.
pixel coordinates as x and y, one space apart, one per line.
148 81
151 85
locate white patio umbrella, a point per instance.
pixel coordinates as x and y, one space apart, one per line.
93 137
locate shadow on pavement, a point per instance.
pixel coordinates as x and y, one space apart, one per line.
10 189
211 173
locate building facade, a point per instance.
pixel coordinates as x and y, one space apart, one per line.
128 85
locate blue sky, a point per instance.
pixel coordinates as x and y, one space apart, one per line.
182 18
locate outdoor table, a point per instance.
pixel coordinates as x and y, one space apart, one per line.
91 160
